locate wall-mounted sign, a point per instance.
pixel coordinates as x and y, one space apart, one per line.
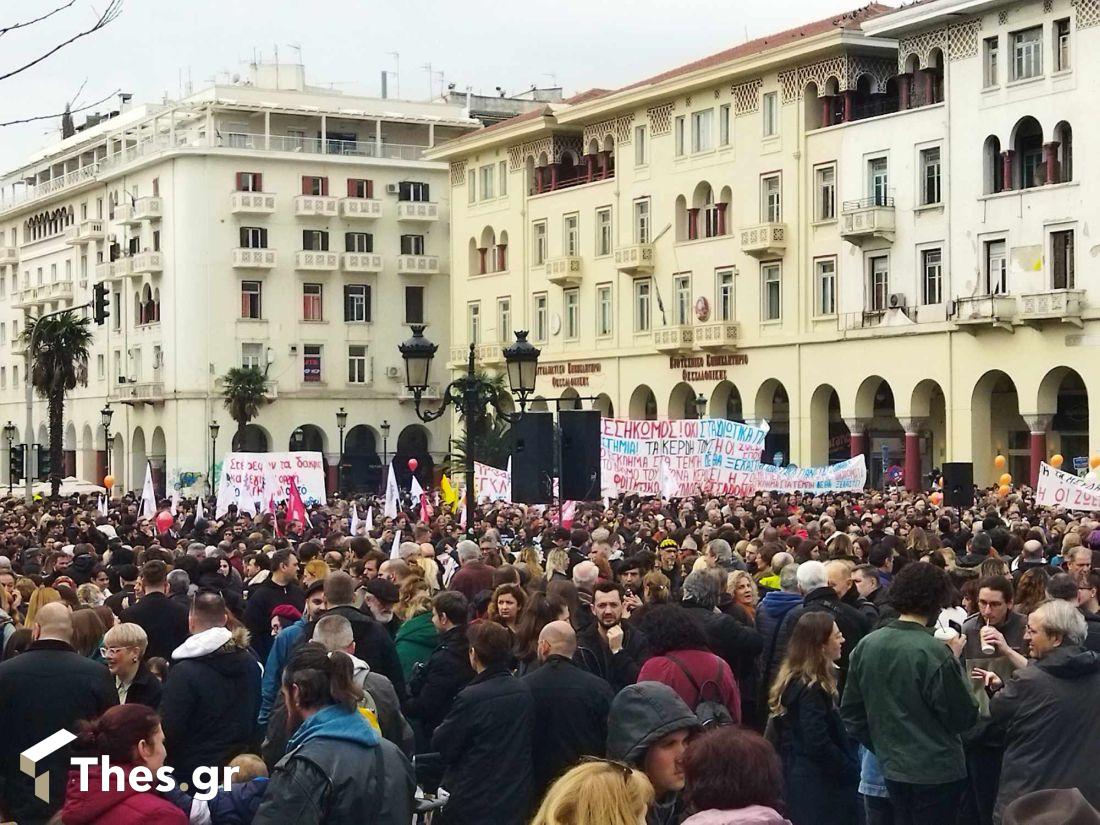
702 309
710 367
570 373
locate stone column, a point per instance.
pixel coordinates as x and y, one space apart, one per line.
693 224
554 176
483 253
605 163
1038 426
904 86
589 167
912 427
857 429
1007 157
721 217
1050 161
848 106
826 110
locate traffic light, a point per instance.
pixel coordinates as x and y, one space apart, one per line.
43 457
17 461
100 308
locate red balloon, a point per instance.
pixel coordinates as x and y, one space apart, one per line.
413 464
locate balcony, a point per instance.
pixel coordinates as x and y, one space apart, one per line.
1063 305
254 258
315 146
430 394
867 219
147 263
636 259
362 208
114 270
764 240
417 211
975 311
84 232
717 336
252 203
312 260
140 392
564 271
39 296
490 355
124 214
9 256
148 209
674 339
361 262
316 206
417 264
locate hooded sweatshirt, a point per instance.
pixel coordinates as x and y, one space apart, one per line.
115 807
752 815
335 722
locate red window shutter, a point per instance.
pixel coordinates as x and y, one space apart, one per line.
351 187
305 185
370 189
324 186
239 185
258 179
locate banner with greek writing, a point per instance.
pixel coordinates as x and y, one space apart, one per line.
492 483
1058 489
746 478
253 480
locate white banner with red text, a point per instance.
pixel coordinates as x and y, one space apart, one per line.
1058 489
252 481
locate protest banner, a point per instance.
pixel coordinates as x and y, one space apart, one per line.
1058 489
253 480
492 483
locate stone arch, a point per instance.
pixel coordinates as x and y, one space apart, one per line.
88 467
474 258
682 222
1027 145
118 461
538 404
158 458
725 402
811 106
308 438
414 441
703 195
138 459
997 427
830 440
681 401
68 451
992 166
643 404
1063 395
362 464
604 404
911 63
1063 135
253 439
865 396
570 399
773 404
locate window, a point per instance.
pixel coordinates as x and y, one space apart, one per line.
714 219
572 299
825 281
1061 259
315 240
771 206
825 177
724 125
538 316
538 242
358 242
4 377
991 55
771 114
414 305
681 290
485 175
771 294
411 190
930 175
641 155
246 182
15 370
412 244
1061 45
473 322
471 188
878 285
996 268
357 303
702 130
604 317
3 290
360 188
678 131
878 180
503 167
250 299
642 316
603 231
253 237
357 364
570 243
252 356
313 185
311 363
504 320
724 291
100 367
931 267
311 302
1027 53
641 221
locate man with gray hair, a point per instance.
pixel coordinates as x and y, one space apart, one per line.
179 587
1051 736
721 554
474 575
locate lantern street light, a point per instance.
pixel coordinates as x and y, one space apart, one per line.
700 405
9 434
341 422
214 427
105 418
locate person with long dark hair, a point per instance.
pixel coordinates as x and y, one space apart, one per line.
733 777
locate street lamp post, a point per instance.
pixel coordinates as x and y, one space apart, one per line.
214 427
700 405
105 418
385 428
469 394
9 434
341 422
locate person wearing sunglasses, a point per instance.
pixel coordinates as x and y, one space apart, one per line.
123 649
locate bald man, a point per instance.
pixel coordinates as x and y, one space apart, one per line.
571 707
1030 558
46 688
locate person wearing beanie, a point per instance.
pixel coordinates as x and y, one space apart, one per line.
1061 806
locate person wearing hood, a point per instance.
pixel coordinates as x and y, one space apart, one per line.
337 770
284 644
1050 737
771 611
648 728
212 694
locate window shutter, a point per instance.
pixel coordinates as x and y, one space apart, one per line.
306 188
366 303
351 188
307 239
349 240
369 242
263 237
244 237
404 191
324 186
324 241
239 186
347 303
425 196
258 182
370 188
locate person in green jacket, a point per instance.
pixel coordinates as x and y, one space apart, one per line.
908 701
417 637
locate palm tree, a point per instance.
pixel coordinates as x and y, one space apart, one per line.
58 346
244 392
492 437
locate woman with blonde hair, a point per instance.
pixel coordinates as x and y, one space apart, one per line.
417 637
597 792
529 558
90 595
741 586
315 569
557 564
41 597
123 648
429 567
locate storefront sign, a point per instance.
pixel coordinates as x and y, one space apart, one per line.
709 367
570 373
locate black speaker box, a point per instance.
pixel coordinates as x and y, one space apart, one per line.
533 458
958 484
580 454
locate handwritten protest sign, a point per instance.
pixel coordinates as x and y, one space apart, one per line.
492 483
252 480
1058 489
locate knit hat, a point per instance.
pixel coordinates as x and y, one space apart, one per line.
287 611
1060 806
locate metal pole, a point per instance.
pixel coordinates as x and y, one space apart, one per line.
340 466
9 466
28 495
469 404
210 475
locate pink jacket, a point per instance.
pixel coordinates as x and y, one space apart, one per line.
703 666
752 815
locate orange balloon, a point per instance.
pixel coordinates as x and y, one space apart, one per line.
999 462
936 498
1006 479
108 482
1005 489
1056 460
1094 462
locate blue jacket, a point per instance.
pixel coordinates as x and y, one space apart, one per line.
771 612
276 660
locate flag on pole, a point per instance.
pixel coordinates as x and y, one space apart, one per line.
103 504
370 519
392 493
148 498
354 527
198 508
450 497
568 514
296 508
175 501
415 490
395 550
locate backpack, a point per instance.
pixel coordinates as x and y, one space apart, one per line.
711 712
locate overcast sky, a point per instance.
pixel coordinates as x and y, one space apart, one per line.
482 43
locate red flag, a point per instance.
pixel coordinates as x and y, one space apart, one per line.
296 508
425 508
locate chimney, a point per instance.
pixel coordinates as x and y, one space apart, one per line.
384 79
67 127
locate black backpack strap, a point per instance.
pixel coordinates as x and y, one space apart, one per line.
690 678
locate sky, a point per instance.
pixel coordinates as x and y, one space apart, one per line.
155 45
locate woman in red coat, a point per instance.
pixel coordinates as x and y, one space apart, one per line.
130 737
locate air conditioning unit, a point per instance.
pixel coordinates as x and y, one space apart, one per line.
392 189
897 300
393 372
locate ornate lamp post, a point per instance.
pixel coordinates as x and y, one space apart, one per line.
341 422
105 418
700 405
214 427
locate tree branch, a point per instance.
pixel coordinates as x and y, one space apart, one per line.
60 114
114 8
26 23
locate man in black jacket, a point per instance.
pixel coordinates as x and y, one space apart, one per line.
212 693
434 687
610 648
163 620
571 707
281 587
485 741
44 689
739 644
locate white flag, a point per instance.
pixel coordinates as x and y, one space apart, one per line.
148 499
103 504
354 528
395 551
666 481
392 493
415 490
175 500
198 508
369 524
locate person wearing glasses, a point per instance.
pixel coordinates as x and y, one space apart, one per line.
123 649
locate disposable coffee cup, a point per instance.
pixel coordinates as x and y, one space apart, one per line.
987 648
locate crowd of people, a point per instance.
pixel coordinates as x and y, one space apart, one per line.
784 658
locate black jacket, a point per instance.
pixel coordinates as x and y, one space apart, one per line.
264 598
617 669
121 600
373 643
485 742
852 624
163 620
433 690
571 707
210 702
145 689
44 689
739 644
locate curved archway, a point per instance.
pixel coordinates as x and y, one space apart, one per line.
1064 395
88 467
307 438
830 439
604 405
681 401
252 439
475 260
874 405
643 404
725 402
118 462
538 404
773 405
928 409
683 222
570 399
1063 136
997 428
414 441
813 111
138 459
68 451
993 166
158 458
362 465
1028 169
